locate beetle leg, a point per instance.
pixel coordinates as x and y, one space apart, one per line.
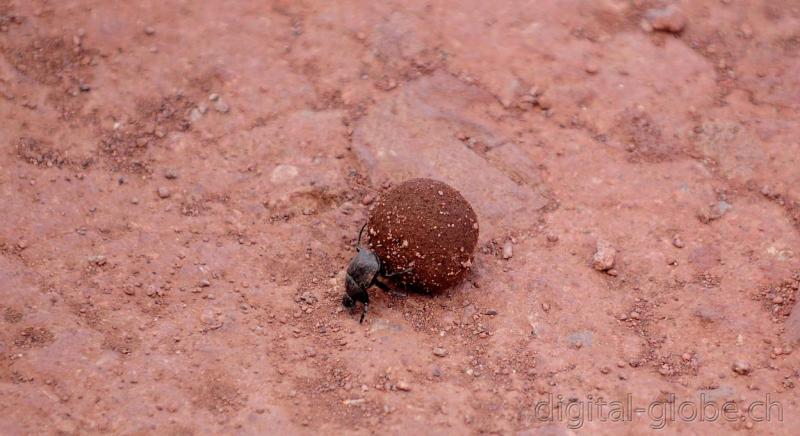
387 289
397 273
348 302
363 312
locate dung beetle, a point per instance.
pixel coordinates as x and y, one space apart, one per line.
365 269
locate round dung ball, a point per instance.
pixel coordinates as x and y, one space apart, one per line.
428 227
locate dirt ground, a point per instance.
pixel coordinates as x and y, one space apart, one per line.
183 183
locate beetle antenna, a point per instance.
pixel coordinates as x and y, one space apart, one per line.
360 232
363 312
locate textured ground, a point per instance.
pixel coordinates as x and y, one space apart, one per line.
183 182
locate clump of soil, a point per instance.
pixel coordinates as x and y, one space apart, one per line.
428 227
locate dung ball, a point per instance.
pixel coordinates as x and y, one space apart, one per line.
428 227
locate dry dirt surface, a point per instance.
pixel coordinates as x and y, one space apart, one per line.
183 183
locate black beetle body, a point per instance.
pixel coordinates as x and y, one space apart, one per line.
363 272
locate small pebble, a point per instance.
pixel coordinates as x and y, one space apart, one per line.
354 402
741 367
746 30
604 256
403 386
552 237
439 352
221 107
98 260
714 211
195 115
677 241
668 19
209 318
164 192
170 174
218 103
545 102
508 250
149 30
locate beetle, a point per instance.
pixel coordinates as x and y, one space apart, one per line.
364 271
